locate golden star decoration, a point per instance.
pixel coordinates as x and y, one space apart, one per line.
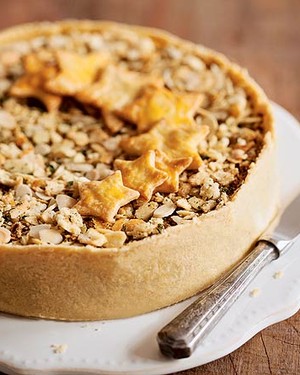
116 87
32 83
76 71
176 141
155 104
173 168
104 198
141 174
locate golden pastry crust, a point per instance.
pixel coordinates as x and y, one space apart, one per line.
87 283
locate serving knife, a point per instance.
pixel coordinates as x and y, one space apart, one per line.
179 338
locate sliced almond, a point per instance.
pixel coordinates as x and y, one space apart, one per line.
7 121
186 214
65 201
6 178
114 238
43 149
93 175
145 211
183 203
35 230
5 235
51 236
48 215
79 167
54 187
42 196
112 144
22 190
70 220
92 237
178 220
164 210
104 171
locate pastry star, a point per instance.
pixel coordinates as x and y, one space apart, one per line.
32 83
173 167
157 103
116 88
141 174
76 71
104 198
176 141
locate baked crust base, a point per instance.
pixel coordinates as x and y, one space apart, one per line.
76 283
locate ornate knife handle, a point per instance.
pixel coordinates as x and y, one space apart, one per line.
180 337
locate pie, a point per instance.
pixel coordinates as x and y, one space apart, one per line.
135 169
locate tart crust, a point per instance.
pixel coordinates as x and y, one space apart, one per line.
85 283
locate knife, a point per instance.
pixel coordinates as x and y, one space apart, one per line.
179 338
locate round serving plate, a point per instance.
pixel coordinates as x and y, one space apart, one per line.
128 346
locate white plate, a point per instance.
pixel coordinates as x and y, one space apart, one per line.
128 346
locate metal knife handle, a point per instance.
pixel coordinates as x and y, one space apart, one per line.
179 338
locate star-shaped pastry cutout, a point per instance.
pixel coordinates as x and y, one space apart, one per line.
176 141
76 71
104 198
141 174
173 168
32 83
116 88
155 104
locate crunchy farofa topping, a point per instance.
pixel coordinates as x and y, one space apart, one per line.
63 124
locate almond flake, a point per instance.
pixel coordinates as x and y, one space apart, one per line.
5 235
92 237
7 121
183 203
114 238
164 210
50 236
23 190
79 167
42 196
145 211
54 187
70 220
35 230
65 201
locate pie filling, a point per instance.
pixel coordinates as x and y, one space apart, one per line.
113 136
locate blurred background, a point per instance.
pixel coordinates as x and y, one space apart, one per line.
261 35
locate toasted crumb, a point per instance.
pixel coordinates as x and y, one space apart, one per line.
278 275
255 292
59 348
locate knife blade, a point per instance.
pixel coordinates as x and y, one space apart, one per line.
180 337
287 227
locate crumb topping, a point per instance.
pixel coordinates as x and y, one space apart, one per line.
112 136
